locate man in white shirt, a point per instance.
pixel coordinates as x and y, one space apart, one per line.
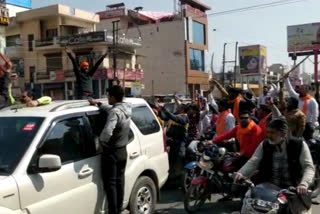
307 104
267 92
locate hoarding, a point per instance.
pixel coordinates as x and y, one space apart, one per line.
99 36
303 37
20 3
253 60
110 14
4 15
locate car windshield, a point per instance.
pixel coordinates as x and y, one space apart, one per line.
16 134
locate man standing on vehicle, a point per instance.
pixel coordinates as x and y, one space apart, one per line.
84 74
282 161
114 138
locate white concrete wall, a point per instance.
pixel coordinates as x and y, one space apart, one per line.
162 55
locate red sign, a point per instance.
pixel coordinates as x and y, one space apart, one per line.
59 75
29 127
132 75
109 14
194 11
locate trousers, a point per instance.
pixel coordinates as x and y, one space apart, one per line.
113 168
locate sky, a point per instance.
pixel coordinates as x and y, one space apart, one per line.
266 26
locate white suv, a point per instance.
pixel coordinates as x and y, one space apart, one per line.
49 162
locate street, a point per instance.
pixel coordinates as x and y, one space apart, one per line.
172 203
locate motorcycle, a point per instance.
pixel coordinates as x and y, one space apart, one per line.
215 176
191 169
267 198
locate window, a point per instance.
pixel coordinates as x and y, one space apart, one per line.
198 33
16 135
98 121
54 62
51 33
70 140
32 73
12 41
196 60
144 120
30 42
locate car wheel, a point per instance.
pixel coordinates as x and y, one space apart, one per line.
143 197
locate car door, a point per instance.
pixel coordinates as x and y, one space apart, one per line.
133 150
152 140
73 188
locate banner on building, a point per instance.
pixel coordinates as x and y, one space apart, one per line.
20 3
303 37
253 60
4 15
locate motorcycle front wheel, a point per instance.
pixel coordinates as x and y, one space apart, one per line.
194 198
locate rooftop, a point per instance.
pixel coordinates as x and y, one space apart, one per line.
55 10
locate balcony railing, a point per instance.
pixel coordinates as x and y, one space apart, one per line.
86 38
46 42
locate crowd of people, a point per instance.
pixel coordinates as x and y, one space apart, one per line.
270 132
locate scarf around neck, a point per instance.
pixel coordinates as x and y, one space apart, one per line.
305 99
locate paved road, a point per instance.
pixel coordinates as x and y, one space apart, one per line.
172 203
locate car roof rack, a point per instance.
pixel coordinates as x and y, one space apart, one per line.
72 105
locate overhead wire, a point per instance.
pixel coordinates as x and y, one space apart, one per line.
256 7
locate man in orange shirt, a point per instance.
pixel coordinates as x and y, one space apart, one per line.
226 120
248 134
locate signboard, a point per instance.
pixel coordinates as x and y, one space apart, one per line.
109 14
99 36
131 75
20 3
253 60
57 75
4 16
303 37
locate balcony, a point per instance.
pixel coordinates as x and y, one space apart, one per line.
98 37
44 44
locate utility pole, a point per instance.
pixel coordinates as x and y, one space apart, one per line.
115 30
224 62
212 69
235 65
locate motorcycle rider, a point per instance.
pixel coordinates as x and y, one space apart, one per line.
248 134
226 120
282 161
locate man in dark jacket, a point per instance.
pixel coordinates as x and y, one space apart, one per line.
177 134
283 162
114 138
84 74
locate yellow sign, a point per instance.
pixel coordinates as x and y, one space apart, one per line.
4 16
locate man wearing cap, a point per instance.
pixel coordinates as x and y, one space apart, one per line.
84 74
282 161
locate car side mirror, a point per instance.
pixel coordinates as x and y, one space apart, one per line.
49 163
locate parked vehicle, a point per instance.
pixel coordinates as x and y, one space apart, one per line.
50 162
267 198
215 177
